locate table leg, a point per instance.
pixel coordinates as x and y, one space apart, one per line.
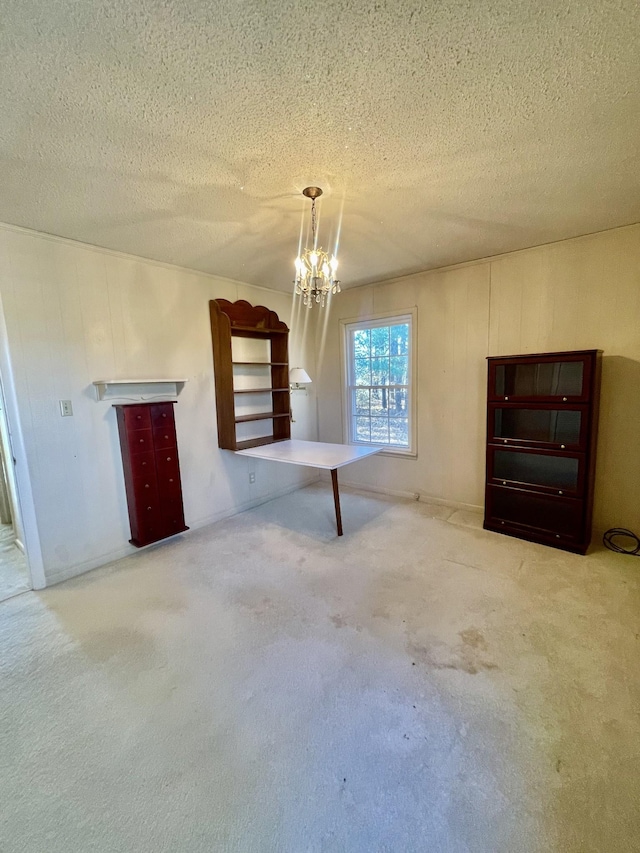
336 499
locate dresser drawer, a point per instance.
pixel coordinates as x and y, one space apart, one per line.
143 464
140 441
173 517
136 417
161 414
147 529
169 485
167 464
559 518
164 437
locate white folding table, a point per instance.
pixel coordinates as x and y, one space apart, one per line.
314 454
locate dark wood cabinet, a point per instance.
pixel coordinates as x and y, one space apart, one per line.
542 422
254 388
151 471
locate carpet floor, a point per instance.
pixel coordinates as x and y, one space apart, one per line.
261 685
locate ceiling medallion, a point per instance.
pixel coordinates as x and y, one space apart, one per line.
315 271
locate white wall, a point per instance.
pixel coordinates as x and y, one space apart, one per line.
576 294
75 314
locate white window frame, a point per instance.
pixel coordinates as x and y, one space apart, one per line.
372 321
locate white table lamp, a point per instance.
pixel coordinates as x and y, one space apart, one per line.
298 377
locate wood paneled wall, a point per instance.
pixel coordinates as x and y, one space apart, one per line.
75 314
576 294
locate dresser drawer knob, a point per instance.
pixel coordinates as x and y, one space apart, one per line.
164 414
506 398
142 441
504 482
166 436
502 522
146 485
560 493
562 446
564 399
505 440
171 479
148 508
168 459
557 535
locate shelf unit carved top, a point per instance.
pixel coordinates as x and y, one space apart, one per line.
251 320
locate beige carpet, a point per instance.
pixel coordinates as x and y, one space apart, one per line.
260 685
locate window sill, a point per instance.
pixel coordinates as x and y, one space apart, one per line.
387 451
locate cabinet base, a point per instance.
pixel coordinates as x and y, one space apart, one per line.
142 544
538 538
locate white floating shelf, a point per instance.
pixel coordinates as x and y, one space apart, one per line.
138 389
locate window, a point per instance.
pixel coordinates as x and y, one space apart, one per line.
379 377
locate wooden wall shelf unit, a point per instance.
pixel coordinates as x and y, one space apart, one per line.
542 425
151 471
231 320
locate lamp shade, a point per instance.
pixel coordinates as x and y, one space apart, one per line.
299 376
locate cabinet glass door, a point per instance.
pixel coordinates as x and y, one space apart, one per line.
550 380
559 428
561 474
560 518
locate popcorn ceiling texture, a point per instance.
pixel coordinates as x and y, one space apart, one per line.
185 132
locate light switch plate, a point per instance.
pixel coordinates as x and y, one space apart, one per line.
66 409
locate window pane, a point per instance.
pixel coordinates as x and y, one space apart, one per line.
379 401
380 430
399 370
380 341
399 339
361 401
362 430
379 371
361 343
362 371
398 402
399 432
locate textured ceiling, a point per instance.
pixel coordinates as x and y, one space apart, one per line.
440 132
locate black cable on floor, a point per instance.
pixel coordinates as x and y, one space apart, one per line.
610 535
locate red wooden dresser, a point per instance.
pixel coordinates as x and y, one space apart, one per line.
151 471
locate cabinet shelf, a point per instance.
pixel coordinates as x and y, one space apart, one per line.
233 320
255 331
257 442
260 363
261 416
260 390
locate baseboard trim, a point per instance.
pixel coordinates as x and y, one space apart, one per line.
69 572
412 496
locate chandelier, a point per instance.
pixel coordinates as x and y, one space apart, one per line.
315 271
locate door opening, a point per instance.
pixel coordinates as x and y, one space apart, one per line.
14 567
